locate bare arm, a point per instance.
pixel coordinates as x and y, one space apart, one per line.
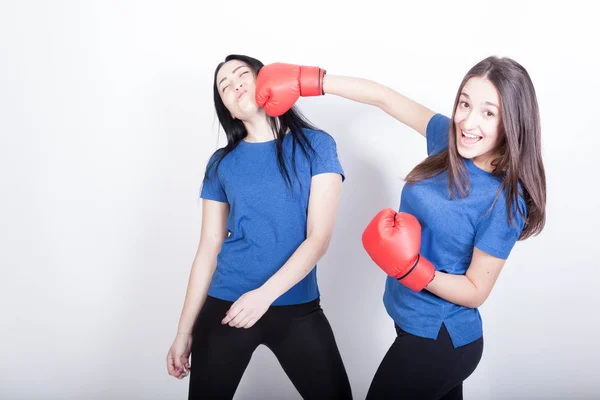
405 110
322 209
472 289
213 233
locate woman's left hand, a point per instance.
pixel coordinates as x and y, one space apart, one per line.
248 309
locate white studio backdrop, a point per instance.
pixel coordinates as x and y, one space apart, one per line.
107 122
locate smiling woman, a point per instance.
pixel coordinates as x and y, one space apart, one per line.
481 188
270 198
478 120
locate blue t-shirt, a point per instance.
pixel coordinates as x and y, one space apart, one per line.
267 221
451 228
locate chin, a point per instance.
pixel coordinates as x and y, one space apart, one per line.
465 153
249 112
470 153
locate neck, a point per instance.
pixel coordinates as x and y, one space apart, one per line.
258 129
484 162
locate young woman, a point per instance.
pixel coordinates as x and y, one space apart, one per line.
270 198
481 189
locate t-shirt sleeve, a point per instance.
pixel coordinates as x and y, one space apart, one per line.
212 189
495 234
325 159
437 134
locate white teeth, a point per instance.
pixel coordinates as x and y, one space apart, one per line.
470 136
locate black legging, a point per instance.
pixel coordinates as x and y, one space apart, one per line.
299 335
419 368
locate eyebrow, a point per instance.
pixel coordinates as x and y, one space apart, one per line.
485 102
233 72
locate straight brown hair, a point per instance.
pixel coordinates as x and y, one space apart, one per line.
519 149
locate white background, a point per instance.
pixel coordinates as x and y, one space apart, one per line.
107 122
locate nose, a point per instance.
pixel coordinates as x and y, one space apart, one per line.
238 86
470 122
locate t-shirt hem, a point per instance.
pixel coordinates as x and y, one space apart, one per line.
329 171
281 301
213 198
503 254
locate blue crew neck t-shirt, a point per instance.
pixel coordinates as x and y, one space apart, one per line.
267 220
451 229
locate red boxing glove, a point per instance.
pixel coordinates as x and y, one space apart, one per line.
393 240
278 86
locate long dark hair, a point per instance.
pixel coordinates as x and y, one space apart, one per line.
520 154
235 130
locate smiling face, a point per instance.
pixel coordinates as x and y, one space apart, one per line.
236 84
478 120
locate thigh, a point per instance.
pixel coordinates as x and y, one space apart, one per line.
456 393
470 355
405 372
220 353
307 351
416 368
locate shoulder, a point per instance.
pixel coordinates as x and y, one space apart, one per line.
520 203
316 135
215 156
518 210
319 138
439 122
436 134
218 157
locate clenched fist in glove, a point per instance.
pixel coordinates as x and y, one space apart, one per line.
393 240
278 86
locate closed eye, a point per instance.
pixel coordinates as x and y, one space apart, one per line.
243 73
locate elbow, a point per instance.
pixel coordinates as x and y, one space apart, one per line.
477 296
476 301
381 103
473 303
321 243
209 248
384 99
324 245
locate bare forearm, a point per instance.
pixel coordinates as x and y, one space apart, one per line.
200 277
457 289
402 108
356 89
297 267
